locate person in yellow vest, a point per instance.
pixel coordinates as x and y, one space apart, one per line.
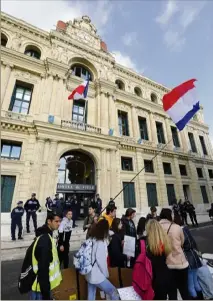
110 214
45 259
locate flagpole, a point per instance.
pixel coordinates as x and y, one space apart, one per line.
160 151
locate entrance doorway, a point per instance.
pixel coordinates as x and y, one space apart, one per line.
76 175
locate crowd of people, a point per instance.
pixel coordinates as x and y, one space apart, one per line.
169 246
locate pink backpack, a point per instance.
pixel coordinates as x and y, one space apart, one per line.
142 275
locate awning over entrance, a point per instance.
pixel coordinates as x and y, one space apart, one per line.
75 188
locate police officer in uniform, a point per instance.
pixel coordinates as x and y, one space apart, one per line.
16 220
31 206
74 209
65 231
67 205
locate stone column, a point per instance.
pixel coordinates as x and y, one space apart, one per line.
39 100
135 130
5 80
194 187
112 113
44 171
48 94
98 180
143 202
178 181
104 177
54 96
209 146
38 155
104 113
169 134
184 141
153 129
197 143
52 168
59 98
161 185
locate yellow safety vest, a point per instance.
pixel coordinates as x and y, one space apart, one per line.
54 268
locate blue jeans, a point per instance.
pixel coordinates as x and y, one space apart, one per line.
105 286
35 296
193 284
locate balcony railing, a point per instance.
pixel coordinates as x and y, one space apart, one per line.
80 126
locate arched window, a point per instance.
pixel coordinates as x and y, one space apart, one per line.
4 40
81 71
120 84
154 97
33 51
138 91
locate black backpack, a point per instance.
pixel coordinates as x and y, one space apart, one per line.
27 276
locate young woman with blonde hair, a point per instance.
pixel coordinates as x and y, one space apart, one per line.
158 249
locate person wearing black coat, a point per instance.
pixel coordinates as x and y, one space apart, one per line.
16 220
31 207
115 248
183 213
191 211
129 228
190 250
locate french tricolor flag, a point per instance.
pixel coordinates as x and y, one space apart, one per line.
180 104
80 92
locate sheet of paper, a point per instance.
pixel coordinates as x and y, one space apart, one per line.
129 246
128 293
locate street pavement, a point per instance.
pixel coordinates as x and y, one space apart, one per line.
10 269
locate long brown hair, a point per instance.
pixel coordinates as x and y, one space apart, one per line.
101 230
158 240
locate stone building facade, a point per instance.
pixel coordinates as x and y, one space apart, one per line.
50 143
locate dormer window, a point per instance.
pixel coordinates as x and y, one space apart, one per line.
120 85
33 52
138 91
4 40
154 97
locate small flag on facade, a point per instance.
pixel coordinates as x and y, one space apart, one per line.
80 92
180 104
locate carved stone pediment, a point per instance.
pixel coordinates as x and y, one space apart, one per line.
84 31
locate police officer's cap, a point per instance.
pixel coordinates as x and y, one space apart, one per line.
19 203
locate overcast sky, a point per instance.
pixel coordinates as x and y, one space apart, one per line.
168 41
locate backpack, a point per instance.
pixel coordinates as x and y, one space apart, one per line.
27 276
142 275
82 260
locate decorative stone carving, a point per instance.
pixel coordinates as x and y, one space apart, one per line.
84 31
16 42
26 75
54 52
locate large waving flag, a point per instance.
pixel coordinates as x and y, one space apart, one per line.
80 92
180 105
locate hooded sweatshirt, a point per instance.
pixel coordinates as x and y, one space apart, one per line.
43 254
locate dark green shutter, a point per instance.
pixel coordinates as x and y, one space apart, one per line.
171 194
152 194
129 195
7 190
204 194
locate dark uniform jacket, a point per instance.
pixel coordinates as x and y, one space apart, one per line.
17 213
32 205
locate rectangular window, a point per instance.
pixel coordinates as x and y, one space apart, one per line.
123 123
210 173
204 194
203 145
143 128
152 194
78 111
126 164
192 142
21 98
7 190
183 171
199 173
175 136
167 168
160 133
10 149
148 164
129 195
171 194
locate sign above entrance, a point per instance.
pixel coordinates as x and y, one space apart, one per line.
75 187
